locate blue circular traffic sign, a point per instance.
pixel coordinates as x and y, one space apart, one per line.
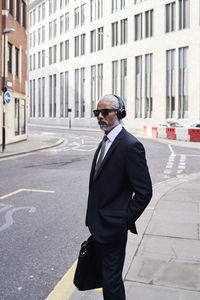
7 97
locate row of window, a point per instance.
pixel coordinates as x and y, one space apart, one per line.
17 9
138 32
13 59
96 12
143 86
184 15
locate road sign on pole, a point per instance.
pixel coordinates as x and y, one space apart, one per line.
7 97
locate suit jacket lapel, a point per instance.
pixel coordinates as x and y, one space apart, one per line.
108 154
94 164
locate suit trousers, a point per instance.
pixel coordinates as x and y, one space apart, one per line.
112 257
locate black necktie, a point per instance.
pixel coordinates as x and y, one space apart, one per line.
103 145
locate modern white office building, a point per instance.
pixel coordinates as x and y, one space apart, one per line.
147 52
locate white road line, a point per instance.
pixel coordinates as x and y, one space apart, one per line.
170 148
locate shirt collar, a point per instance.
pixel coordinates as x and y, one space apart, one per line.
114 132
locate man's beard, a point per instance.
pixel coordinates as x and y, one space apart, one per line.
108 128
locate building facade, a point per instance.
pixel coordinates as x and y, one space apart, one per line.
146 51
13 18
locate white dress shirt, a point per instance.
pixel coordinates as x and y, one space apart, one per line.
111 137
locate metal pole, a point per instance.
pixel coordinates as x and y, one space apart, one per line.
4 80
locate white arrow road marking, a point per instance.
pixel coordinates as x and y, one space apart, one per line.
9 219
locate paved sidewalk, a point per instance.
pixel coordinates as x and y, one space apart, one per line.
34 142
163 261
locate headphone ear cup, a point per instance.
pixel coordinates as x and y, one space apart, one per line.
121 113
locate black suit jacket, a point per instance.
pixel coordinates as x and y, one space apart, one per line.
120 190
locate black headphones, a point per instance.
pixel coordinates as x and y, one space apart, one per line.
121 112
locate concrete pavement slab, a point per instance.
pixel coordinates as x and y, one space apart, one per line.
161 246
139 291
165 272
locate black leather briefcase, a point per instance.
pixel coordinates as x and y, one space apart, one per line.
88 271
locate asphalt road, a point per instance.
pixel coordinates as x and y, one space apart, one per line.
43 203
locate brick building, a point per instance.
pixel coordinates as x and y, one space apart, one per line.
13 15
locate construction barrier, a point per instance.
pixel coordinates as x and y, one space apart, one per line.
173 133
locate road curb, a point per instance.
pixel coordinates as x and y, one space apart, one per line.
58 143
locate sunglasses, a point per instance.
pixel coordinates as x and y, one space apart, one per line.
105 111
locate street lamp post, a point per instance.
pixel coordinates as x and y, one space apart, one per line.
4 89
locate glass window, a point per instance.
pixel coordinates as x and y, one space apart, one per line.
34 106
61 24
170 88
183 82
18 12
122 4
50 55
138 27
76 17
23 14
100 81
170 16
30 63
50 96
39 59
92 10
123 80
39 36
54 94
43 34
184 14
54 6
93 41
54 54
83 7
76 93
138 87
43 10
66 93
100 9
82 92
115 77
93 89
54 28
61 51
124 31
76 46
23 116
61 95
100 38
31 99
149 23
83 37
34 16
66 22
66 49
39 97
9 58
114 5
148 86
50 30
17 116
114 34
17 61
39 13
43 96
50 7
43 58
